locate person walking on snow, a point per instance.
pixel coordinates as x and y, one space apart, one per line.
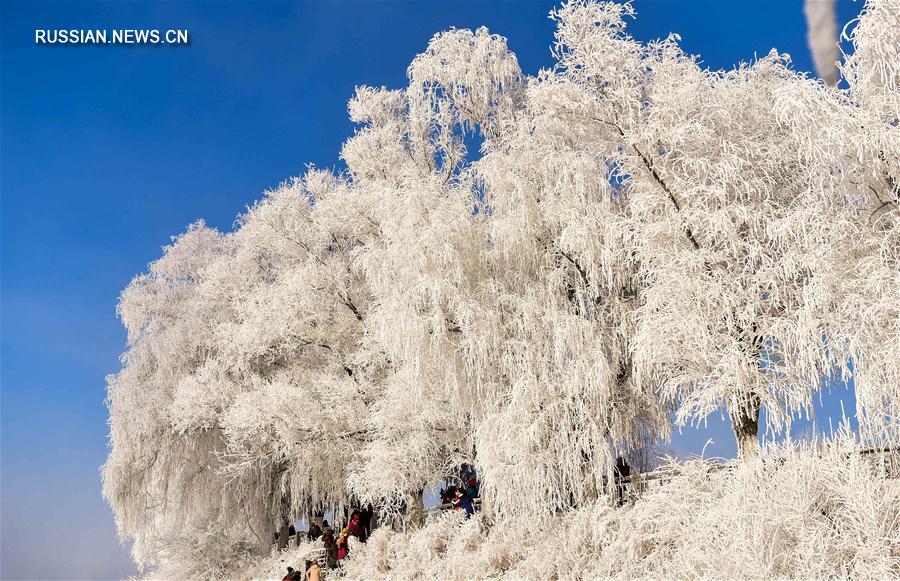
313 572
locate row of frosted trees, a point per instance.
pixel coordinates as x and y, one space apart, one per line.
638 244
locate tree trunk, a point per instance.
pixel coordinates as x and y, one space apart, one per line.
745 422
591 494
487 504
283 534
373 523
415 511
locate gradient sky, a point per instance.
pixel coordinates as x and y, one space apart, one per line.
107 151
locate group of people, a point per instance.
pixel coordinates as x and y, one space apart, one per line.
461 498
311 572
359 525
360 522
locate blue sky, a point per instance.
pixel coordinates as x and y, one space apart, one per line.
107 151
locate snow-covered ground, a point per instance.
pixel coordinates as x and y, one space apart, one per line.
275 566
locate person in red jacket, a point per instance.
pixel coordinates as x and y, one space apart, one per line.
355 526
342 546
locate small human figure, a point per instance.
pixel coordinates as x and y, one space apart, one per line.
448 494
472 488
467 472
366 522
621 472
331 549
288 576
314 532
462 502
342 546
313 573
355 526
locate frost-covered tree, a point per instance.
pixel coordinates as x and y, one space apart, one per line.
639 241
154 470
859 160
427 270
304 389
512 334
735 216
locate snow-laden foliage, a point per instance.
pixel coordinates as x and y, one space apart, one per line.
792 512
640 242
863 151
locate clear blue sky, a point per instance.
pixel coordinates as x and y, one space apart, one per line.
109 150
